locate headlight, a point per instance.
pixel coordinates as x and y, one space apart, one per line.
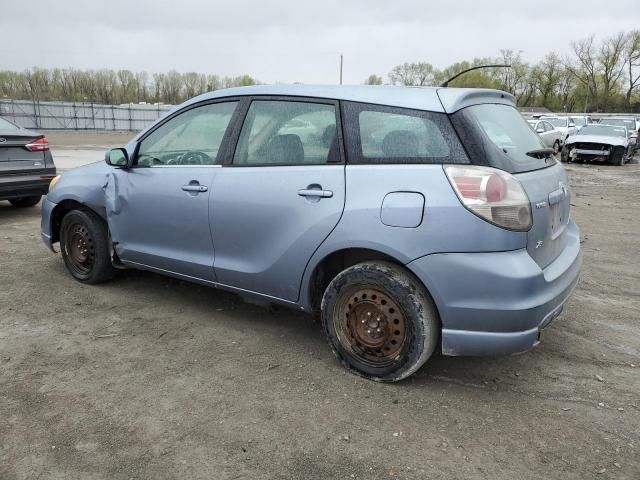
53 182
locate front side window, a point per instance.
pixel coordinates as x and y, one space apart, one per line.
280 132
190 138
379 134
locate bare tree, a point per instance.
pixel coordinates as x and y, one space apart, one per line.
420 74
632 63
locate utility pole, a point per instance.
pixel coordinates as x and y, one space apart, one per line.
341 59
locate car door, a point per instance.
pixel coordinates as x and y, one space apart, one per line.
280 196
158 210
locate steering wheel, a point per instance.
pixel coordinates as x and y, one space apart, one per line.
195 158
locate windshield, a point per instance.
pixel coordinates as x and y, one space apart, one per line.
557 122
606 130
498 136
5 125
619 122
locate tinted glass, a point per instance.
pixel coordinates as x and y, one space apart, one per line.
191 138
390 135
287 133
498 136
379 134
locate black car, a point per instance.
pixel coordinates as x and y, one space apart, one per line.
26 165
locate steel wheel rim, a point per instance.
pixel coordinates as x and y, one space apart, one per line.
80 249
371 326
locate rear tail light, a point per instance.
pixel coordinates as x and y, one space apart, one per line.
492 194
39 145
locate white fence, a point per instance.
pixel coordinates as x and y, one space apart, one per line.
80 116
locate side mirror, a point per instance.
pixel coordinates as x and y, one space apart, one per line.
540 130
117 157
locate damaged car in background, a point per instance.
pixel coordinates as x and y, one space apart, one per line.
607 143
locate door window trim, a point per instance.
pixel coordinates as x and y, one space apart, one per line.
223 150
244 110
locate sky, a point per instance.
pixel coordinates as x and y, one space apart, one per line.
294 41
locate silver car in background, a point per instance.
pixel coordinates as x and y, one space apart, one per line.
627 122
551 136
406 219
565 124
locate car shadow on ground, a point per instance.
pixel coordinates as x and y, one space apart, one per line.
287 325
9 212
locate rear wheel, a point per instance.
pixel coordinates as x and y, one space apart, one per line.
379 321
25 201
84 242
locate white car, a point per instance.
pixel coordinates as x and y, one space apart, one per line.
608 143
551 136
565 124
628 122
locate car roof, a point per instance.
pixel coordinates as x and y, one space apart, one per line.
435 99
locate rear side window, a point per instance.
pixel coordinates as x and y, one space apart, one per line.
379 134
283 132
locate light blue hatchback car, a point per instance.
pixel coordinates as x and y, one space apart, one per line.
408 218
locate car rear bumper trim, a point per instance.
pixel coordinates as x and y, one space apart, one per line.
497 303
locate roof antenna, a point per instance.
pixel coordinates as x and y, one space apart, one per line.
446 82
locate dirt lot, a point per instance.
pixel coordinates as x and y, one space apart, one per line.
148 377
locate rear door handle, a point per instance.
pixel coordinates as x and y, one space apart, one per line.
315 193
194 188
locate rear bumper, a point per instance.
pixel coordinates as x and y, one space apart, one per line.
46 231
497 303
16 186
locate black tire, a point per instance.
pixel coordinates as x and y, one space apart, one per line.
617 157
84 243
556 147
396 354
564 155
23 202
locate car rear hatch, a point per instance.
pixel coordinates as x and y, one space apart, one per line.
18 155
548 191
495 135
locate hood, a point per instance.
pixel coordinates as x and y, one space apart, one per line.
615 141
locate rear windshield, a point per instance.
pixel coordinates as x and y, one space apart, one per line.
498 136
5 125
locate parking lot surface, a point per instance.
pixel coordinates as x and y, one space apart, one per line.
149 377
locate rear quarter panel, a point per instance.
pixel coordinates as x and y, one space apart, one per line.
446 225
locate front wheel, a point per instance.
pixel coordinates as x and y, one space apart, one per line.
23 202
84 243
380 321
564 155
556 147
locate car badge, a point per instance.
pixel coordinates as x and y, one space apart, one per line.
2 140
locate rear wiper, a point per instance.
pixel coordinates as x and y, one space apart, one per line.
541 153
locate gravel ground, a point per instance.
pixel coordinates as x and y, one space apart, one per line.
149 377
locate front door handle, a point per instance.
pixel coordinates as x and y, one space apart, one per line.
194 188
315 193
